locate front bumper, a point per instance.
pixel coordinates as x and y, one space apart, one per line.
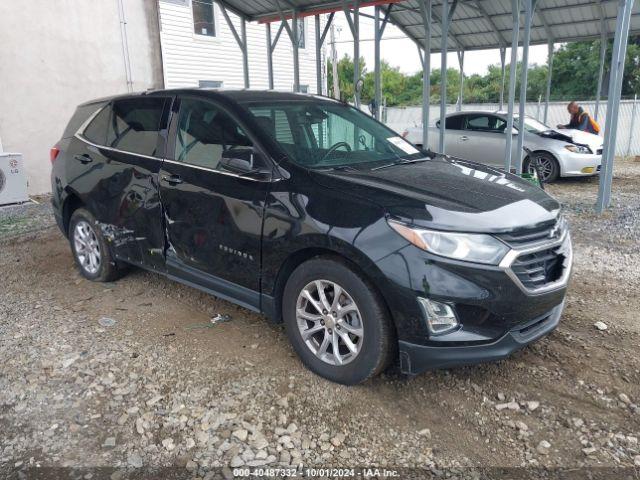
500 308
415 358
579 165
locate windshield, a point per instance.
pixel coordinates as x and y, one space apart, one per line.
323 134
532 125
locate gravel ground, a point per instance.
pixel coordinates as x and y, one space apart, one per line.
17 220
130 378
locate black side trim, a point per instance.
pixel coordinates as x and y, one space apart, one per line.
245 297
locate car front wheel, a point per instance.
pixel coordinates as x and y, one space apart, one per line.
544 164
336 322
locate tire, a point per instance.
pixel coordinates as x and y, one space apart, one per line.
83 231
367 326
548 168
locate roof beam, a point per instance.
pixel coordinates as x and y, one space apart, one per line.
544 11
232 9
538 27
325 7
452 36
409 35
503 41
545 24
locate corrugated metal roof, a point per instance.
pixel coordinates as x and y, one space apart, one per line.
476 24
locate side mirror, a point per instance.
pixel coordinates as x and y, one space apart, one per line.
237 160
242 161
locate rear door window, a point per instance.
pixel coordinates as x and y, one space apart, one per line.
454 122
135 125
96 131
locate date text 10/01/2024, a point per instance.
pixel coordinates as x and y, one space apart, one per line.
316 472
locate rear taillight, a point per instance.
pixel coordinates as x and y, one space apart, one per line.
53 153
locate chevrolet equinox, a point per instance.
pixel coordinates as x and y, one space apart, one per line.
314 214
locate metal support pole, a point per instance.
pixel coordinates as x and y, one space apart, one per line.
503 54
549 76
461 64
613 103
241 40
354 26
296 47
356 51
632 127
320 38
245 52
318 57
515 12
425 11
269 55
377 74
529 7
603 52
334 64
443 73
125 46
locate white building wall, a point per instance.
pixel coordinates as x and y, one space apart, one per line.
189 58
57 54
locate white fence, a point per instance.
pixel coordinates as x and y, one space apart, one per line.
628 142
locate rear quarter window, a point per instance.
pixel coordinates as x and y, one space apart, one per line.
82 113
96 131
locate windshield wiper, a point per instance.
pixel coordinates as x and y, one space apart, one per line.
342 168
401 162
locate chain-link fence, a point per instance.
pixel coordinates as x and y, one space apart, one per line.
628 141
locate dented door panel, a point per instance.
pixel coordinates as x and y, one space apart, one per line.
131 212
214 222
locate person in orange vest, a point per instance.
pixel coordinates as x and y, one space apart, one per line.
580 120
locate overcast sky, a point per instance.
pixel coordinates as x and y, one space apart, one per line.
400 52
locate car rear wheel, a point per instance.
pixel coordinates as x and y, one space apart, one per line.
544 164
336 322
90 249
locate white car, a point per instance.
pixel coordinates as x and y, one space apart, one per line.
480 137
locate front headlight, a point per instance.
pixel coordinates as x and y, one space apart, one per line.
470 247
577 149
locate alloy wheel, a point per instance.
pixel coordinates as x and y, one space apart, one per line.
87 247
543 166
329 322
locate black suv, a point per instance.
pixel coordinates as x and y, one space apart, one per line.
311 212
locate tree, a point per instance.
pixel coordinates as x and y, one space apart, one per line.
575 76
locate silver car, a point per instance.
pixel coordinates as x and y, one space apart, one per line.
480 136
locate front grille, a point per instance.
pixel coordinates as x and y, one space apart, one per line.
537 269
525 237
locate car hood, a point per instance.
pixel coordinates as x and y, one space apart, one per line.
449 194
585 138
594 142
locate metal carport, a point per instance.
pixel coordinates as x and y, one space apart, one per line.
462 25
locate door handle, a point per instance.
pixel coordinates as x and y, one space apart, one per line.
84 158
464 138
172 179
